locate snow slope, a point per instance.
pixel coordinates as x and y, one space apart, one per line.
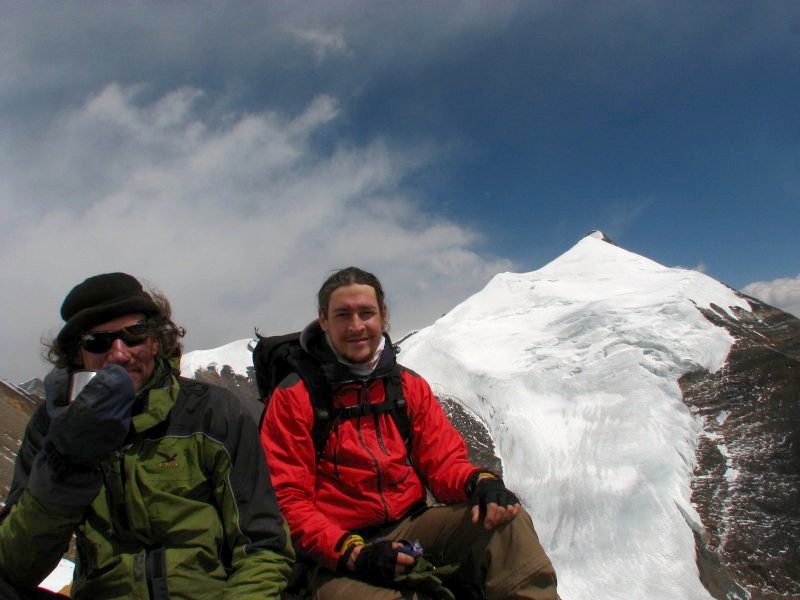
574 369
236 355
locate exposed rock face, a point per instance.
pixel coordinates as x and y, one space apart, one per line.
480 446
243 387
33 387
747 480
16 409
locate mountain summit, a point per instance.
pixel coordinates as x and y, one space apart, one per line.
577 369
599 235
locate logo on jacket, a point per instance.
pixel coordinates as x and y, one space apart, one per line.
171 461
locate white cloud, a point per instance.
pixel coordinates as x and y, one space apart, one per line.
238 222
783 293
322 42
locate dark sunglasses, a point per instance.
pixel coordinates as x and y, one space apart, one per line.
99 342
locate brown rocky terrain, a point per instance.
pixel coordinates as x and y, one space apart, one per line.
16 408
747 480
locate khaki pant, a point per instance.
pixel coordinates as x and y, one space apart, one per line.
507 561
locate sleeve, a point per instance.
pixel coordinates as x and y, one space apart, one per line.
257 542
438 451
287 440
30 524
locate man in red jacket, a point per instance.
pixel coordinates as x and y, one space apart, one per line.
352 504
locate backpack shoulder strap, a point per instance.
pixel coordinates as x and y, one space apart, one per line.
277 356
393 385
319 392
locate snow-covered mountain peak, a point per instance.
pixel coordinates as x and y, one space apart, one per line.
597 234
577 307
575 368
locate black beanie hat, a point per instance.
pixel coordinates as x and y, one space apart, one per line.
102 298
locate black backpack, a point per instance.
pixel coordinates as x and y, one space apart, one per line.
276 357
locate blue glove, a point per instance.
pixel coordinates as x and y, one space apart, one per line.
96 422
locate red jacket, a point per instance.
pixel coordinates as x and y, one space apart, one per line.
362 477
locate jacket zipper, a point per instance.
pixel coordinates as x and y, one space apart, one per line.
114 476
147 567
363 394
377 422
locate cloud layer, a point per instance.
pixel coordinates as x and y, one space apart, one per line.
237 221
783 293
233 154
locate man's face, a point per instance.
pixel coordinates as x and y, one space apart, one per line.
138 358
354 322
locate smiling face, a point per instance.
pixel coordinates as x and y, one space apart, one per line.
138 359
354 322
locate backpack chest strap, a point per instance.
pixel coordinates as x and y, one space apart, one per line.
352 412
394 404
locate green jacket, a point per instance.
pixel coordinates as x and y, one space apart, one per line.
184 510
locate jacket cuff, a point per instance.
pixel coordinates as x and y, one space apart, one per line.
344 547
476 476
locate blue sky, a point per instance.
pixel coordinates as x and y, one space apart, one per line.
232 154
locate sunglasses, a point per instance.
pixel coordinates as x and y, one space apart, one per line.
99 342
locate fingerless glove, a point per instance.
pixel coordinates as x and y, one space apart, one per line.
488 488
376 563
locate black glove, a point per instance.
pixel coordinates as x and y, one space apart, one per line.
376 563
97 421
491 489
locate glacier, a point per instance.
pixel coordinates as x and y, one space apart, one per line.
574 369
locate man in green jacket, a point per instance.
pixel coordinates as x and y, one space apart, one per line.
162 479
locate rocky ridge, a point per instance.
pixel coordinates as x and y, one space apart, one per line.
746 483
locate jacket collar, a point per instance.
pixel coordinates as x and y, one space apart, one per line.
157 398
312 340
